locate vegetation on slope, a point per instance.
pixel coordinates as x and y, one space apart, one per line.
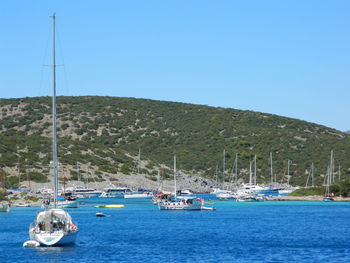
341 188
104 134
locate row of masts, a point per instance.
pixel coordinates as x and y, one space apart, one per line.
310 182
252 171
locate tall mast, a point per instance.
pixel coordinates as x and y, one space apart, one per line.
254 169
288 176
250 173
175 175
312 174
139 162
78 174
54 125
331 169
223 170
236 169
271 168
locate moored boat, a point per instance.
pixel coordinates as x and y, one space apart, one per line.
53 226
175 202
115 192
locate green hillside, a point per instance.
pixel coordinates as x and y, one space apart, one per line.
105 134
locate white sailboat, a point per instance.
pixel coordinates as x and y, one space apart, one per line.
328 197
53 227
223 194
182 202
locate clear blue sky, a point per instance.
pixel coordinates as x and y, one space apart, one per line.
290 57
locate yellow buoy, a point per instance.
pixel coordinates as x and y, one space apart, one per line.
114 206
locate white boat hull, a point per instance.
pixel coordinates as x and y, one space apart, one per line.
128 196
172 206
53 239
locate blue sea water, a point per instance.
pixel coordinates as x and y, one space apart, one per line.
235 232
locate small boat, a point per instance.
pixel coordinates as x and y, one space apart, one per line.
100 214
115 192
138 194
22 204
31 243
251 198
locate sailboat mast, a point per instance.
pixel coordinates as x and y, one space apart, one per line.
254 169
331 180
175 175
54 124
250 173
312 174
223 170
236 169
288 176
139 162
271 168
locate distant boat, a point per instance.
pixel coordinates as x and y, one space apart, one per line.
328 197
54 226
100 214
182 202
82 192
138 194
22 204
115 192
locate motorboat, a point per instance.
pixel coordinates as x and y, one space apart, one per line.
115 192
82 192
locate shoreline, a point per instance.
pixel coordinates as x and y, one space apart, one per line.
313 198
306 198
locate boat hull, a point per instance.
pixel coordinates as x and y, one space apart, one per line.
130 196
53 239
180 206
